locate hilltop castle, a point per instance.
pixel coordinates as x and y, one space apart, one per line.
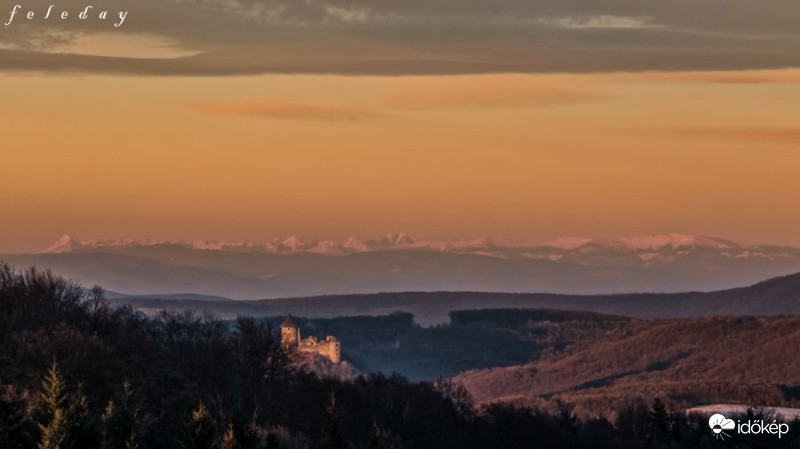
290 337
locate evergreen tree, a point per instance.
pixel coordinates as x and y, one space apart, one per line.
200 432
659 422
334 438
64 421
229 439
241 433
54 397
381 439
17 431
120 422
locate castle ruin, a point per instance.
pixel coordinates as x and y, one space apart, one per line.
330 347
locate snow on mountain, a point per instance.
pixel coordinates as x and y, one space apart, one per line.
566 242
205 244
212 245
676 241
398 239
652 248
325 247
293 242
354 244
495 242
64 244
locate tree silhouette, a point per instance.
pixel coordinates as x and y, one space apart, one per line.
54 398
381 439
120 422
63 419
334 438
659 422
200 432
229 439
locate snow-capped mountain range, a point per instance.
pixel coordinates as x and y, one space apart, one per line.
662 247
397 262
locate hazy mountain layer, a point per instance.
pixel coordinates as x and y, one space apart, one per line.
291 267
779 296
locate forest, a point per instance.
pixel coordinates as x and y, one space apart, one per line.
79 372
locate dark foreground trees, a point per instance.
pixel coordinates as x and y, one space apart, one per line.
76 372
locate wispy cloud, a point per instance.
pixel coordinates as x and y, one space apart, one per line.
785 76
286 111
777 135
480 92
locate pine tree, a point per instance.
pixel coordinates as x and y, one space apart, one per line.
64 424
333 426
244 433
200 432
659 422
120 422
381 439
54 398
17 431
229 439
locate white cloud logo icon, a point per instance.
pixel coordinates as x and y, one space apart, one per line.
719 424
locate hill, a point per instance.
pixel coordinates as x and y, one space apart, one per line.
472 339
744 360
772 297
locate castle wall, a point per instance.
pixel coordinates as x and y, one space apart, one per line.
332 349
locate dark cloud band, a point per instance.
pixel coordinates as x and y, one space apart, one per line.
241 37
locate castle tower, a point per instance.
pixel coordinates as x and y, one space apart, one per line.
290 332
334 349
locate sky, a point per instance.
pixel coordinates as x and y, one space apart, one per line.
249 120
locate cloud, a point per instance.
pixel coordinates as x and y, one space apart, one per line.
419 37
286 111
788 135
480 92
786 76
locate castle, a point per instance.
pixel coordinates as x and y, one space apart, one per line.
290 338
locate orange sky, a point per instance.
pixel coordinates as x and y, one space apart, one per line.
518 156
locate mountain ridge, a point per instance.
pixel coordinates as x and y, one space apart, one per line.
293 268
402 241
778 296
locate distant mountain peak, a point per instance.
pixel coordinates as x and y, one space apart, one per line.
677 241
647 242
64 244
293 242
355 244
399 238
567 242
65 239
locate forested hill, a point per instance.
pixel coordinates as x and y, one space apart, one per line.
744 360
772 297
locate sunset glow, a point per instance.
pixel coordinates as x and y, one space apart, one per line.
522 156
